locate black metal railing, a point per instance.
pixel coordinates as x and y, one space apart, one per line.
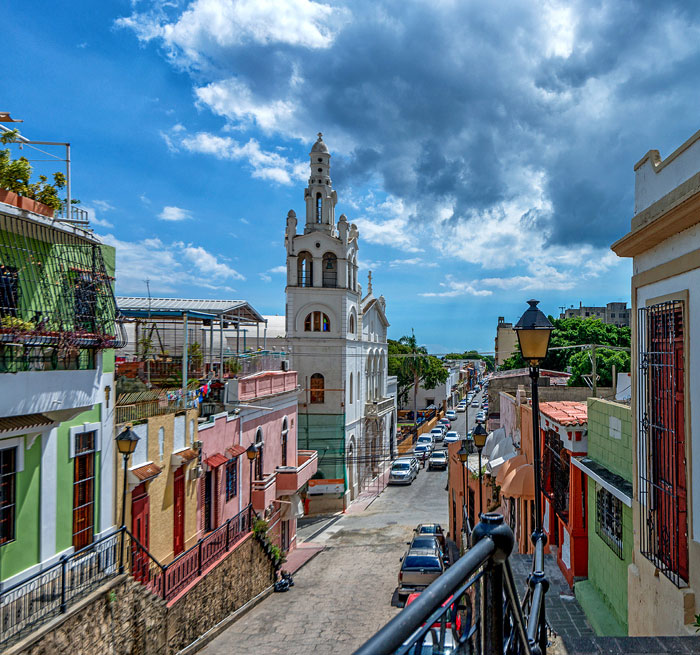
473 607
50 592
168 580
16 358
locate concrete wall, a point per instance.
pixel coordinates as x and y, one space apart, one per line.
125 617
610 436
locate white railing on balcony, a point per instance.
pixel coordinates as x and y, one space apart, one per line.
379 406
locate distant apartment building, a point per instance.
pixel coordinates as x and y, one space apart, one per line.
664 243
506 341
614 313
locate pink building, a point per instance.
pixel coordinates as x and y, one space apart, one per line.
263 415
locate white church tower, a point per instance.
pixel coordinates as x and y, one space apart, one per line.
337 343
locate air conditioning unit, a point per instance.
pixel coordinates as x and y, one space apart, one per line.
197 445
196 472
284 364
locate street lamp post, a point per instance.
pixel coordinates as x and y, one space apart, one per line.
252 453
534 330
463 455
126 444
479 435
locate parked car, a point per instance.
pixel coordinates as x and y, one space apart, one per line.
437 460
428 541
475 402
418 569
411 460
426 439
438 434
431 528
452 436
445 423
481 417
421 452
435 641
451 414
402 473
462 407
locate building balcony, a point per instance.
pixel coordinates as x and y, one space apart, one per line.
267 383
264 492
292 478
379 407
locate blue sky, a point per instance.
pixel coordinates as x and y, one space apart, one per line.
485 150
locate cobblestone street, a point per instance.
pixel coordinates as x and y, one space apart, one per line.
344 594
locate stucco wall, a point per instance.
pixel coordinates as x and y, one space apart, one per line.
606 444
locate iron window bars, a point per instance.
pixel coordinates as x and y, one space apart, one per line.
662 470
555 474
608 519
54 290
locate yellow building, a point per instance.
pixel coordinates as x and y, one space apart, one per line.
664 243
161 503
506 341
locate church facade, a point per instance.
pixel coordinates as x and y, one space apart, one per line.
337 342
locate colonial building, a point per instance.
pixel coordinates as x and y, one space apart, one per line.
506 341
664 242
336 337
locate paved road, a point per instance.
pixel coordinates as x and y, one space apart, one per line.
344 594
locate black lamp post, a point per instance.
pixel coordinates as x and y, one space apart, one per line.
252 453
126 444
534 330
479 435
463 454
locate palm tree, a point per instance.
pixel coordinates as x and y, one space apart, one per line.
414 365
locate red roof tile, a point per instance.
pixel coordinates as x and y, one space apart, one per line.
566 412
235 451
216 460
186 455
147 471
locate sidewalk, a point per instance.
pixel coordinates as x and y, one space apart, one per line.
367 497
303 553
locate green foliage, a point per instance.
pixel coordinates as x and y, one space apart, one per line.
277 554
697 623
194 352
473 354
232 365
14 323
260 527
16 173
579 331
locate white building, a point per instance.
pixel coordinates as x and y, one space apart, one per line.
336 338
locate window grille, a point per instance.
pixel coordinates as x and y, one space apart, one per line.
555 473
608 519
8 485
54 289
231 478
661 421
84 490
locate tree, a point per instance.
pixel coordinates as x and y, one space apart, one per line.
580 331
416 367
473 354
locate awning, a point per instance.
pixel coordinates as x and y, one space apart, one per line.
292 507
184 456
520 483
144 473
235 451
216 460
493 466
24 422
510 465
615 484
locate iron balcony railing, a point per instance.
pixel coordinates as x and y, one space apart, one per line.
51 591
473 607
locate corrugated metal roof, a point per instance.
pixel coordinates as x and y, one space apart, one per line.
219 307
24 422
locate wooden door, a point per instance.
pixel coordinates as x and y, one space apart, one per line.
179 511
207 502
140 510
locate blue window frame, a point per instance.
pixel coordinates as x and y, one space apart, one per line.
231 478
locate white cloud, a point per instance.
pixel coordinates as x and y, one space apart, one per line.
278 269
264 165
265 277
412 261
166 265
174 214
93 217
245 221
144 199
454 288
103 205
208 264
101 222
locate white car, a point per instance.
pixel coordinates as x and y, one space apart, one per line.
438 434
451 414
402 472
426 440
475 403
452 437
461 408
437 460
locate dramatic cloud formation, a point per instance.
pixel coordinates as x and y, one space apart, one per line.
507 131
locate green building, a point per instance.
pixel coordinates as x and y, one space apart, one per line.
608 468
58 331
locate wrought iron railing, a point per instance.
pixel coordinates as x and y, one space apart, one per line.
16 358
168 580
473 607
50 592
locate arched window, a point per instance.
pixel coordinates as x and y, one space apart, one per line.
351 326
317 388
305 270
330 270
317 322
259 458
285 432
319 207
350 394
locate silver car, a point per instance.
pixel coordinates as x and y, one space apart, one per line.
402 472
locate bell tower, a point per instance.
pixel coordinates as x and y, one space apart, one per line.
319 195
